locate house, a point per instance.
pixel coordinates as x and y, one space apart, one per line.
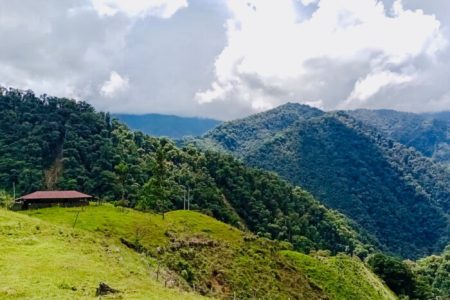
42 199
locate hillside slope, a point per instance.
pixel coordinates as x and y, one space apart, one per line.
43 138
174 127
399 196
427 133
338 274
43 261
215 259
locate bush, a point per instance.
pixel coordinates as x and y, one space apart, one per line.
6 200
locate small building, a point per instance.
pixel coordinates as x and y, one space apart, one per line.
41 199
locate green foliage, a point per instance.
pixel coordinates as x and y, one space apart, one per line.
272 207
158 191
398 276
62 144
6 200
399 197
435 271
427 133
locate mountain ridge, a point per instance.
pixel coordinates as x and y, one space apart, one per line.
345 162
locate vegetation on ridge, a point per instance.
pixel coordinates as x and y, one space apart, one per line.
427 133
397 195
49 143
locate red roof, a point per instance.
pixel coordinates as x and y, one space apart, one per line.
55 195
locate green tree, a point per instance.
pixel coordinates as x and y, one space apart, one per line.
157 192
399 276
122 172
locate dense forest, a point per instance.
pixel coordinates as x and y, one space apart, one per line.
427 133
352 168
52 143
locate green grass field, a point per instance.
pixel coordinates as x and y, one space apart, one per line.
63 253
43 261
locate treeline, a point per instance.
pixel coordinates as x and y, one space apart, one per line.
54 143
427 278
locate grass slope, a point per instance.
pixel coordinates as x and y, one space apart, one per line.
42 261
216 259
342 276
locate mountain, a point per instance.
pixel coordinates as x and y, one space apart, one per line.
396 194
52 143
166 125
427 133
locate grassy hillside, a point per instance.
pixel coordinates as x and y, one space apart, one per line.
39 260
396 194
338 276
208 256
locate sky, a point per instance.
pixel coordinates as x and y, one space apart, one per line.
227 59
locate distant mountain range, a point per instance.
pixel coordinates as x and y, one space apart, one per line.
352 162
167 125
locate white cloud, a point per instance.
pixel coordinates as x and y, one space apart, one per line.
347 49
116 84
308 2
229 58
159 8
374 82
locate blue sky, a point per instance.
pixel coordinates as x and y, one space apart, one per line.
227 59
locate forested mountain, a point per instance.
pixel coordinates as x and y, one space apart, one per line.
52 143
395 193
166 125
427 133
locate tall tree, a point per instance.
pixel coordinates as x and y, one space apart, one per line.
156 193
